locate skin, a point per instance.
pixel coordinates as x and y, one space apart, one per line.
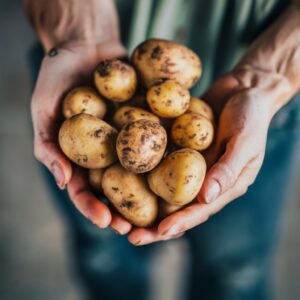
264 80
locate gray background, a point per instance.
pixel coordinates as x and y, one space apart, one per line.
34 260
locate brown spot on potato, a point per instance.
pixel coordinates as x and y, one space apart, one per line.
98 132
156 53
103 68
127 204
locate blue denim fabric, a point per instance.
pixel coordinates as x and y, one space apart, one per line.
231 254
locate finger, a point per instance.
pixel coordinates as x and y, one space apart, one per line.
144 236
198 213
119 224
84 200
224 173
49 154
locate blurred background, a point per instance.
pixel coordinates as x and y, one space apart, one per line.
34 260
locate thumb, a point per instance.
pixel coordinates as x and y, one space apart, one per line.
49 154
224 173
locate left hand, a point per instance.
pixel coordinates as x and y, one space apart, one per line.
236 155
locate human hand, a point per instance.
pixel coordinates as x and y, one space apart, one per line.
241 101
61 70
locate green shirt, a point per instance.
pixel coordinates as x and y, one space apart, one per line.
219 31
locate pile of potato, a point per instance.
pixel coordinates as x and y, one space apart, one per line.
140 132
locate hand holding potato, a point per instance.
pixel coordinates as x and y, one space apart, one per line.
234 160
70 67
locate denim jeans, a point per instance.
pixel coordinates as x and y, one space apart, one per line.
231 254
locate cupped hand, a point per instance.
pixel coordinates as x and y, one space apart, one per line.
241 101
61 70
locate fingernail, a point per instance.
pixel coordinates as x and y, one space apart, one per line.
58 174
171 231
137 242
213 192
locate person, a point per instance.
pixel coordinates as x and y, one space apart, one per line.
250 52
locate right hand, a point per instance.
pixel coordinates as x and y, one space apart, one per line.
73 65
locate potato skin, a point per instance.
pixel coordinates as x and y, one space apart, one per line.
88 141
115 80
192 131
83 100
168 99
141 145
200 107
95 178
179 177
130 195
157 59
128 114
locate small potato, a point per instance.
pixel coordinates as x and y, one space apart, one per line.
192 131
165 209
179 177
130 195
128 114
83 100
200 107
88 141
141 145
115 80
95 178
157 59
168 99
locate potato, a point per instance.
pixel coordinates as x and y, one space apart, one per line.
165 209
83 100
157 59
88 141
95 178
200 107
192 131
128 114
179 177
141 145
168 99
130 195
115 80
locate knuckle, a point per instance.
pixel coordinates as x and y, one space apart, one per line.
226 176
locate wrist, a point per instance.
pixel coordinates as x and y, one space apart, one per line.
271 89
98 50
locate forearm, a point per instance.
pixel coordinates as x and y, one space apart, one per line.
59 22
275 55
